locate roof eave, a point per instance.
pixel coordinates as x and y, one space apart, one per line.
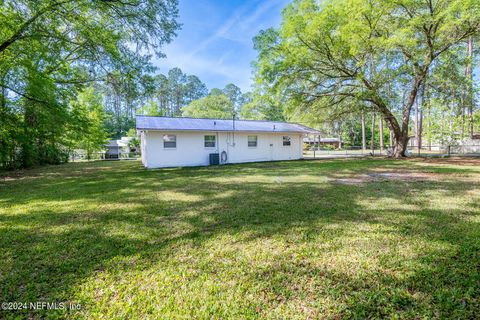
221 130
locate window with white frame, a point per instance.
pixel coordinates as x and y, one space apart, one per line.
287 140
210 141
169 141
252 141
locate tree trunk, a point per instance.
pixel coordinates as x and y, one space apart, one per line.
462 117
450 120
3 96
442 126
429 126
416 123
380 127
420 130
469 75
400 132
364 141
373 134
420 118
401 136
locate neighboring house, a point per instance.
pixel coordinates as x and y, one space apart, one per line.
313 141
335 142
114 149
171 142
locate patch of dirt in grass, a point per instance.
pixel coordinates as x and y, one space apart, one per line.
404 175
390 175
357 180
461 161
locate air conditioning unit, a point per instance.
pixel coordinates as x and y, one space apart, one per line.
214 158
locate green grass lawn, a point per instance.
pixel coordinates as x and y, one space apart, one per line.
303 239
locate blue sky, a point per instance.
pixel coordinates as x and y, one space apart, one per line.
215 42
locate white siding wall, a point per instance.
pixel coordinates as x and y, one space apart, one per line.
143 142
190 150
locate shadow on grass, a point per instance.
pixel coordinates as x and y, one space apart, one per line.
56 230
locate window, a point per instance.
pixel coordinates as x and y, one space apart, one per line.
169 141
252 141
209 141
286 140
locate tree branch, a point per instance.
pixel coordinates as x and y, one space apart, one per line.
19 34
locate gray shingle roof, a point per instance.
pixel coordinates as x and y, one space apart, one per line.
192 124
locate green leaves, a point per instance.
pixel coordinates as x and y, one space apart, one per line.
86 129
212 106
50 50
375 54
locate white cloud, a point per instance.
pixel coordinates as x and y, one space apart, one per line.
242 25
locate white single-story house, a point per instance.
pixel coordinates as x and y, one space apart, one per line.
172 142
